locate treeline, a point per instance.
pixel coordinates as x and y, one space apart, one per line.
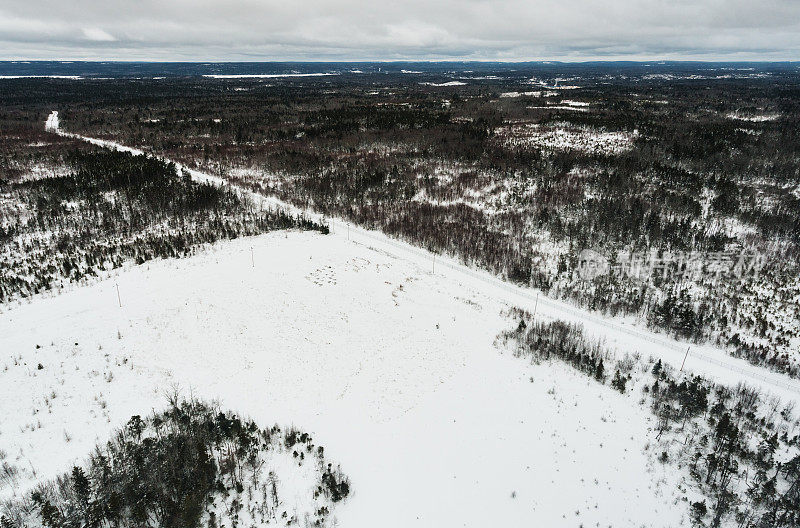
738 449
112 208
541 341
190 466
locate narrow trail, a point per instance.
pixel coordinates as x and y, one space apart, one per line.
702 359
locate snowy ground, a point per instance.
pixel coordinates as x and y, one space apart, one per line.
386 356
625 335
434 425
270 76
566 137
753 118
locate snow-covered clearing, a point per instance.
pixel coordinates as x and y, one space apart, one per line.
51 125
267 75
624 335
576 104
448 83
555 86
385 354
67 77
584 139
753 118
433 425
511 95
558 107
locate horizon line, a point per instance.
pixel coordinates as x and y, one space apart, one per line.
417 61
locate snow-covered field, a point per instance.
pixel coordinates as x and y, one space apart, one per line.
567 137
269 75
625 335
753 118
448 83
392 368
386 356
512 95
51 125
69 77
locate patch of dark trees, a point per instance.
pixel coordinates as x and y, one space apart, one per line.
115 207
166 470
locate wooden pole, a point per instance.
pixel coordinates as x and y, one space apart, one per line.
684 359
119 299
252 257
536 305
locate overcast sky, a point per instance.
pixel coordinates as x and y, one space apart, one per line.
387 30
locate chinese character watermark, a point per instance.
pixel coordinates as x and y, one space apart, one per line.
686 265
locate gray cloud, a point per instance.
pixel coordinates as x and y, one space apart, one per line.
411 29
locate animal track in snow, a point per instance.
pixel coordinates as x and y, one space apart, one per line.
323 276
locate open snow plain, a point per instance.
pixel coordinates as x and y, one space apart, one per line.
394 369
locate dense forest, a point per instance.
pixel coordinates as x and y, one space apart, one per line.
514 171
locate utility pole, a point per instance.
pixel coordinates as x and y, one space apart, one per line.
119 299
536 305
684 359
434 263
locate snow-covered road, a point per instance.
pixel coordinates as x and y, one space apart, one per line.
624 335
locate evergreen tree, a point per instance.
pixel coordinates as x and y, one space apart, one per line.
619 381
599 371
697 513
657 368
